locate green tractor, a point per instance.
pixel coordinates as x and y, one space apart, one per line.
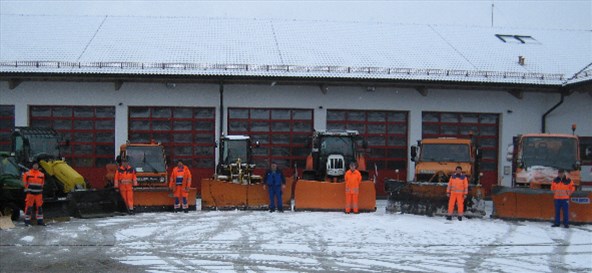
12 195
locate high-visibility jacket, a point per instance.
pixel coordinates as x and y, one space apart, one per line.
34 180
125 176
352 181
458 184
180 177
562 188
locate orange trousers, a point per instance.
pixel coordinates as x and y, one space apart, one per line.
33 200
351 201
460 203
127 193
181 196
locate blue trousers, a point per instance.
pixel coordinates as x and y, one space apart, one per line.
275 197
562 205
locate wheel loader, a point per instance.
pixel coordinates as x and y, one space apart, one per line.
536 160
322 186
150 162
65 192
435 161
234 184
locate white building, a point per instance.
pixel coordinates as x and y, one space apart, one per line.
184 81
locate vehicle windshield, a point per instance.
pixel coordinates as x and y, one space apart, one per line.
41 144
556 152
233 150
8 166
337 145
445 153
146 158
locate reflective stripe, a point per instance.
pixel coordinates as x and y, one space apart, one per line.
126 181
179 180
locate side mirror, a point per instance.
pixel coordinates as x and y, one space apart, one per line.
478 154
118 160
413 153
578 165
510 152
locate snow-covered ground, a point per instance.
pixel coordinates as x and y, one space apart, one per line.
258 241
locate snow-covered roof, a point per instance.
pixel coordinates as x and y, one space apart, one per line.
292 48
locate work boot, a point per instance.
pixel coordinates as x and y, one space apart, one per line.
131 212
449 218
185 210
555 225
41 223
27 223
460 218
566 226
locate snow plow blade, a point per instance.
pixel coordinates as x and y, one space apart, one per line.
538 204
312 195
83 204
224 195
159 199
428 198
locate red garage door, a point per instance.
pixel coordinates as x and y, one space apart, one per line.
186 132
91 132
386 133
6 126
484 126
283 135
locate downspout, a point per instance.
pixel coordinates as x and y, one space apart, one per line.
544 125
221 108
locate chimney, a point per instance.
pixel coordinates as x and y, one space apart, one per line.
521 60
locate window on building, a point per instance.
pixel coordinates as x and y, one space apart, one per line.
90 131
186 132
517 39
283 134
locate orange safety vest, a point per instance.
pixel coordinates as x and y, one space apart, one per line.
458 184
125 176
562 188
34 181
352 181
180 177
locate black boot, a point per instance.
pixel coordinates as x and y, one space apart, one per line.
449 218
40 222
555 225
27 223
186 210
460 218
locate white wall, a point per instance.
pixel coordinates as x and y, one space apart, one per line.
516 115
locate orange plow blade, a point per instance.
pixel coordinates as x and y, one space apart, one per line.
224 195
159 199
315 195
538 204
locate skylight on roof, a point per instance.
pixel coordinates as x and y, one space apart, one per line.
517 39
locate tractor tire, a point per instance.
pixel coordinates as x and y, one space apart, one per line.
13 210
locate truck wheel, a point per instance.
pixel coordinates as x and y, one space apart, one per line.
13 210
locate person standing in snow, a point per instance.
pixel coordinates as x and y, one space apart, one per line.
275 183
179 183
125 179
353 178
562 188
457 190
33 181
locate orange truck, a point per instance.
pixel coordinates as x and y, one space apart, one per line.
234 184
435 161
322 186
536 160
149 161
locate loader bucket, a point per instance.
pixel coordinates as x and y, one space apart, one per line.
224 195
159 199
94 203
538 204
428 198
312 195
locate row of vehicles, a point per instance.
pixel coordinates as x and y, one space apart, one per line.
535 158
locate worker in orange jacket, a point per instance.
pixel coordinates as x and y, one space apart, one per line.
562 188
179 183
353 178
125 179
457 190
34 180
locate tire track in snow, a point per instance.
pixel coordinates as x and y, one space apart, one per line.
475 262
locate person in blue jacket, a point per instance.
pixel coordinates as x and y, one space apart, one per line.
275 183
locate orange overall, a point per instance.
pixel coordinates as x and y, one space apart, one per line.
125 178
352 190
179 183
458 188
34 181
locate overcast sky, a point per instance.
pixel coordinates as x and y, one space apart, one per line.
558 14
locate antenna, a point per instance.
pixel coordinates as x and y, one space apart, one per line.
492 7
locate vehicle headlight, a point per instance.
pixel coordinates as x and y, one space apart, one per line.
162 179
